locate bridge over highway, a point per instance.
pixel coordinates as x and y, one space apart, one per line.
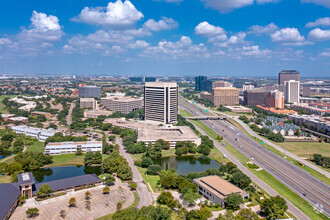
206 117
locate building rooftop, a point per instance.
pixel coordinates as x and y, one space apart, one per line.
87 99
73 143
171 133
122 98
218 186
9 194
161 84
25 128
225 88
25 178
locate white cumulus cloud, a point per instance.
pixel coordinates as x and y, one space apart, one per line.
206 29
318 34
325 3
319 22
325 53
163 24
227 5
116 14
267 29
287 35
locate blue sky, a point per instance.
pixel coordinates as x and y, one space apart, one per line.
165 37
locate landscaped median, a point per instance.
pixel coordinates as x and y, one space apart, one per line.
267 178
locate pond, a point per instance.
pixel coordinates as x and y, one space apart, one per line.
186 164
55 173
5 154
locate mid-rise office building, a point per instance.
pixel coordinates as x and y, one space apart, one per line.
40 133
292 91
203 84
150 79
123 104
88 103
274 99
57 148
161 102
287 75
254 97
90 92
221 83
225 96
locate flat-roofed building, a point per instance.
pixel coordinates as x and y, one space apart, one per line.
18 119
96 113
57 148
5 117
221 83
161 102
292 91
225 96
254 97
274 99
90 91
123 104
46 114
206 96
216 189
40 133
88 103
239 109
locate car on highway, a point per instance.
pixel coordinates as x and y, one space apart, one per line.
236 139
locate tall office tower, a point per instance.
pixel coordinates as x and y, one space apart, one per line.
90 92
292 91
199 82
161 102
274 99
225 96
254 97
221 83
286 75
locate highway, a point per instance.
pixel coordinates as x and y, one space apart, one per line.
309 188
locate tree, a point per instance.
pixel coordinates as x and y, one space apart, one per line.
163 144
247 214
62 213
154 169
88 205
88 195
163 197
190 197
233 201
22 199
202 214
106 190
204 149
44 190
179 151
109 180
89 158
32 212
79 152
97 157
119 206
146 162
72 202
133 186
240 179
274 207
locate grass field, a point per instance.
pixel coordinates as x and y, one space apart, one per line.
185 113
37 146
152 180
307 148
5 179
66 159
269 179
134 204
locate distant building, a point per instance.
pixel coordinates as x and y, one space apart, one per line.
292 91
239 109
254 97
88 103
18 119
248 87
57 148
161 102
274 99
206 96
40 133
123 104
216 189
5 117
90 92
136 79
221 83
287 75
307 91
96 113
46 114
203 84
225 96
311 121
150 79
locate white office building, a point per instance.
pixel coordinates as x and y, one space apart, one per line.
57 148
40 133
292 91
161 102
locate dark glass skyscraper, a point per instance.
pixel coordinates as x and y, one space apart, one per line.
203 84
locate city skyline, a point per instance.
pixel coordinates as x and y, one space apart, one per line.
165 37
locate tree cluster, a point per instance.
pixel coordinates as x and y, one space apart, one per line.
59 137
92 158
274 207
145 213
115 163
321 160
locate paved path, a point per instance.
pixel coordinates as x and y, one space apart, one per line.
11 156
142 189
297 158
68 117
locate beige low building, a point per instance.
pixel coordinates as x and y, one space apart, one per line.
239 109
206 96
124 104
88 103
46 114
221 83
150 133
225 96
216 189
96 113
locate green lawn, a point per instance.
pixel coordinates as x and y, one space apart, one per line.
269 179
5 179
37 146
152 180
66 159
307 148
185 113
134 204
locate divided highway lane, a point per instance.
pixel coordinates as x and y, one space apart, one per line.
314 191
